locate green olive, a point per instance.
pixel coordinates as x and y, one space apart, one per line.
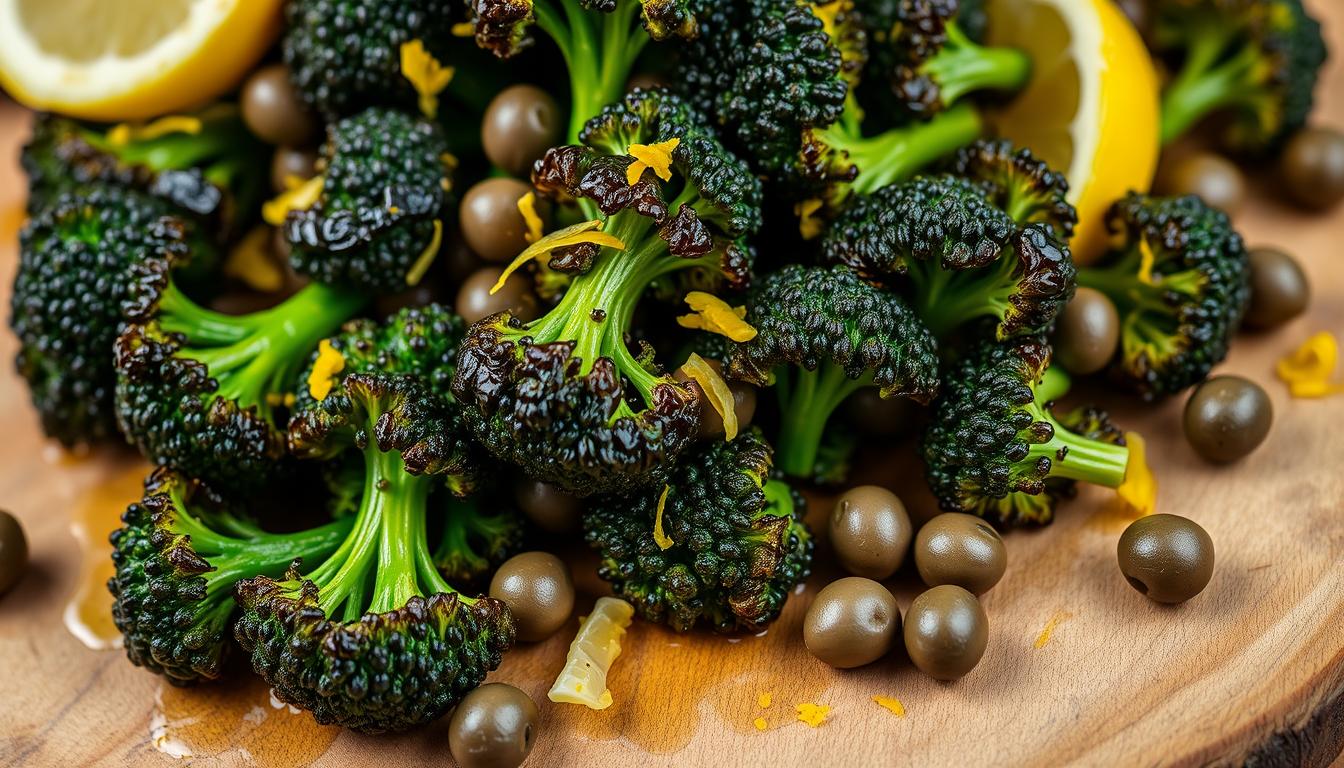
1227 417
852 622
878 416
1087 332
946 631
475 302
494 726
539 591
1280 290
1167 558
521 123
960 549
273 111
1214 178
13 551
289 164
491 222
550 508
1312 168
870 531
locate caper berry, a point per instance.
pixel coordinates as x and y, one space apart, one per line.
870 531
1227 417
1279 289
1167 558
852 622
494 726
955 548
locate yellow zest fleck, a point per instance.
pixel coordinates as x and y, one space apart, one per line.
124 133
716 391
1049 628
809 224
659 536
583 232
765 700
464 29
251 262
323 376
1138 492
892 705
813 714
422 262
656 156
527 206
1307 369
426 74
275 399
300 198
760 724
1145 262
716 316
583 680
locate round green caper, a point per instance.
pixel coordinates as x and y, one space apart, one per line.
494 726
475 301
1167 558
1312 168
550 508
1279 289
1227 417
946 631
521 123
852 621
1214 178
490 220
1087 332
870 531
539 591
13 551
273 111
960 549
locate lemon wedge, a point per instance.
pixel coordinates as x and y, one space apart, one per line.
132 59
1091 108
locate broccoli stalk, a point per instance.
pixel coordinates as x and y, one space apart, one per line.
475 541
962 66
806 401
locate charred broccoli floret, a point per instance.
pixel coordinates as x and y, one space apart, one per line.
1254 61
724 544
1180 278
993 448
1019 183
373 638
479 533
600 40
178 554
563 396
376 215
821 335
960 255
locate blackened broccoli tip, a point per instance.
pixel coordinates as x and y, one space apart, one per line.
1254 61
1021 184
823 334
600 40
478 534
994 449
564 397
178 554
722 545
1180 277
378 221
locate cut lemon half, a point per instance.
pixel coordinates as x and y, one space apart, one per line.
130 59
1091 108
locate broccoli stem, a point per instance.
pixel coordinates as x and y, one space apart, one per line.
778 499
1054 384
947 299
806 401
900 153
599 60
1208 79
963 66
1078 457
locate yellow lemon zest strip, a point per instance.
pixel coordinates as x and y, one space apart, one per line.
891 704
809 224
1139 490
323 376
760 724
422 262
659 537
1049 629
527 206
1145 262
813 714
250 261
716 316
426 74
300 198
583 232
716 390
463 29
124 133
656 156
765 700
1307 369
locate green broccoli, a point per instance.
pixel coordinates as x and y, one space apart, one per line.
1021 184
1253 61
723 544
993 448
178 555
373 638
479 533
1180 277
821 335
563 396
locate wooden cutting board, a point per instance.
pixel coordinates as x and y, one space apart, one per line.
1080 668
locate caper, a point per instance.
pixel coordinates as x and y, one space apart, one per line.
1214 178
955 548
550 508
491 223
494 726
1087 332
946 631
521 123
474 300
1312 168
1167 558
1227 417
870 531
852 622
289 164
273 111
1279 289
539 591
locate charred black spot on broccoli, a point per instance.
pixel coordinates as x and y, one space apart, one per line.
1020 183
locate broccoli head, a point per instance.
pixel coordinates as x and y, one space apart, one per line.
563 396
722 545
821 335
1253 61
961 256
178 554
1180 277
993 448
377 220
1019 183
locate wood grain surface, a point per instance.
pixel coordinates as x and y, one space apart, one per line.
1080 668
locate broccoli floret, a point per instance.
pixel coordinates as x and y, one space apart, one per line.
479 533
1021 184
198 390
373 638
993 448
723 544
1253 61
178 554
961 256
821 335
1180 277
563 396
600 40
377 223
